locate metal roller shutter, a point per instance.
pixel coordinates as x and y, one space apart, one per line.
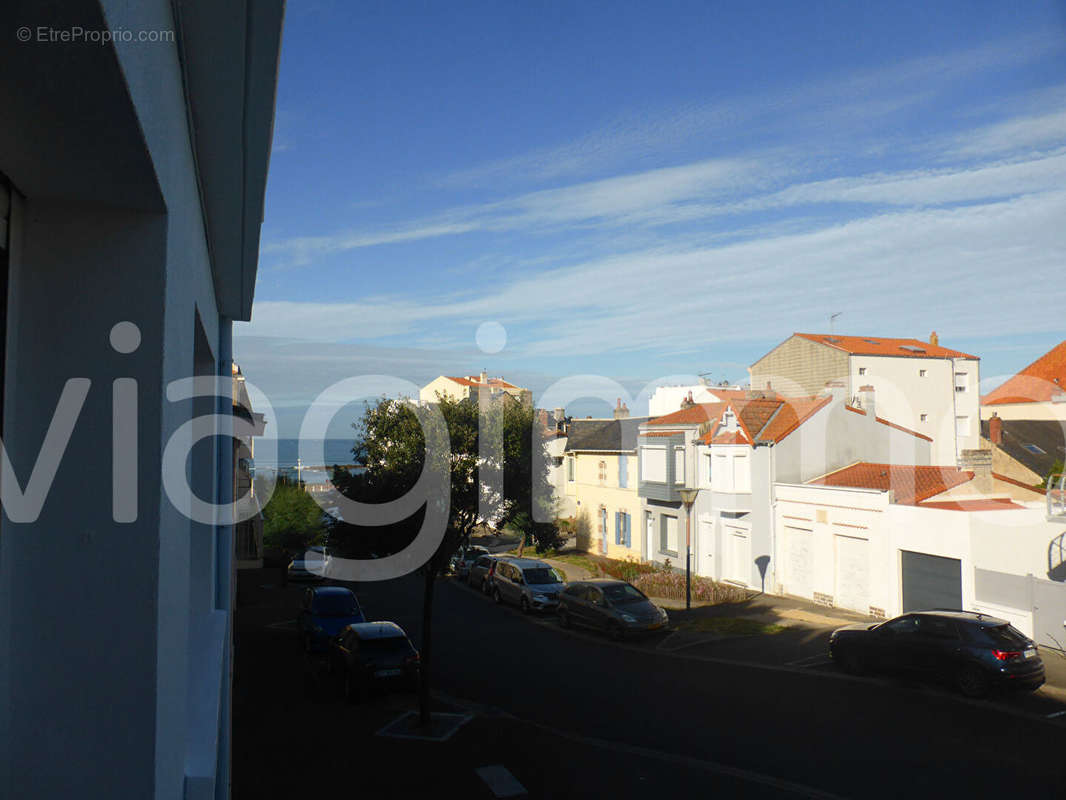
931 582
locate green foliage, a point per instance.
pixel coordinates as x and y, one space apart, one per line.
1056 469
292 519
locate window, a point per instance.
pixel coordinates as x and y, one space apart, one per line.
621 528
741 474
723 474
707 462
623 471
668 535
922 373
962 426
653 464
603 471
862 370
1036 451
679 465
923 417
961 381
570 469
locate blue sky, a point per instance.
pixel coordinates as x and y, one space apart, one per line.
661 189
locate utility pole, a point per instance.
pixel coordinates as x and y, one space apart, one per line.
832 319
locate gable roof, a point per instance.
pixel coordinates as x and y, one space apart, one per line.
882 346
1039 382
1019 436
910 484
603 435
693 415
475 380
764 419
884 421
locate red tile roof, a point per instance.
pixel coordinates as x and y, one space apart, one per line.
881 346
693 415
793 413
990 504
1039 382
910 484
892 424
475 380
1015 482
729 437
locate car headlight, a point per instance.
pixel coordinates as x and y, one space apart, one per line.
628 618
662 613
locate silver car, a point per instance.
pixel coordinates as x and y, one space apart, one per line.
480 574
530 584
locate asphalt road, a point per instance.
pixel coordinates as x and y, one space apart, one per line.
817 729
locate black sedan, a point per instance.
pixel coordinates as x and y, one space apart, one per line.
615 607
371 655
974 652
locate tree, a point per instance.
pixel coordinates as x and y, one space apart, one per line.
292 519
392 444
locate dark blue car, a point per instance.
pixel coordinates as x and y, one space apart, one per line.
327 610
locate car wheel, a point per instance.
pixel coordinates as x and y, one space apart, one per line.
524 605
497 597
972 682
851 661
616 632
564 618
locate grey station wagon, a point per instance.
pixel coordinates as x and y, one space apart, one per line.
613 606
530 584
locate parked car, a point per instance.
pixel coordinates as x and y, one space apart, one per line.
374 655
480 575
310 565
613 606
975 652
464 558
326 611
530 584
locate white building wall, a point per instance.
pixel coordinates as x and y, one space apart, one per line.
667 399
903 396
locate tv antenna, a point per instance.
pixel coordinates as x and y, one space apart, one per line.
832 319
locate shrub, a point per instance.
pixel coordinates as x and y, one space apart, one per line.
671 584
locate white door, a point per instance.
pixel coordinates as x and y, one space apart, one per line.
650 542
738 546
853 574
705 549
800 562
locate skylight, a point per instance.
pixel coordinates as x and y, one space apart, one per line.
871 341
1036 451
911 348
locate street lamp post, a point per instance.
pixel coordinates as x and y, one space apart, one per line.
688 497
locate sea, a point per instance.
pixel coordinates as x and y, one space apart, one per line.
336 451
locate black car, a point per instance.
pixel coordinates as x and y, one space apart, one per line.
371 655
975 652
616 607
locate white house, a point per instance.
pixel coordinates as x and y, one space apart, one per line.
920 385
667 399
733 453
132 176
1038 392
886 539
464 386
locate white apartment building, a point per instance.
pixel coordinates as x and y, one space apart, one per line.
132 177
667 399
920 385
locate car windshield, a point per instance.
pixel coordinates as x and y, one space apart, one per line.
622 593
334 605
392 646
542 575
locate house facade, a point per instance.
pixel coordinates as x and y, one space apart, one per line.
920 385
601 481
733 453
886 539
132 177
466 386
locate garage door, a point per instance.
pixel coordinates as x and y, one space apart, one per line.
800 562
931 581
853 574
739 570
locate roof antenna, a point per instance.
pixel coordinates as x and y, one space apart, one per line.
832 319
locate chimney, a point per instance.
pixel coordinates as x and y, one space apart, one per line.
484 376
995 429
866 398
621 411
934 340
836 389
687 401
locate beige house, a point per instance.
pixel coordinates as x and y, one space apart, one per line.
601 479
463 387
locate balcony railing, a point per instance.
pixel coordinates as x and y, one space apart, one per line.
1056 495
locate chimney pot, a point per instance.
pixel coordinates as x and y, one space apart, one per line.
995 429
934 340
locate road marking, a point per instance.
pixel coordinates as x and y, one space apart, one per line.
500 780
1056 714
810 661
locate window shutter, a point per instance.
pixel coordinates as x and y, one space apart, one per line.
623 469
617 527
625 522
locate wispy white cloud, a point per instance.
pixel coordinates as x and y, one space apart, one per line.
1040 131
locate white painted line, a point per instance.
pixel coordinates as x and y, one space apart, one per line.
810 661
1056 714
500 780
